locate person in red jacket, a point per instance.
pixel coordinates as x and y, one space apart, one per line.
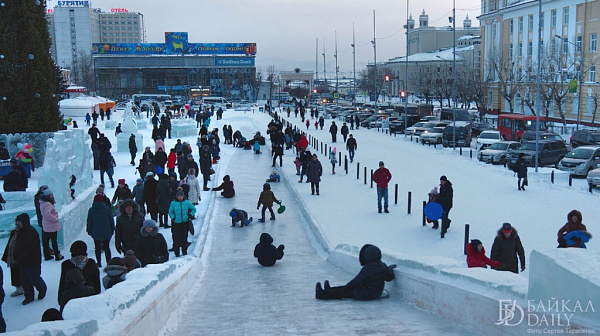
476 255
171 161
382 177
574 223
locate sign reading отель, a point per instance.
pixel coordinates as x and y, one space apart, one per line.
119 10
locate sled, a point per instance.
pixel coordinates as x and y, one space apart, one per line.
281 209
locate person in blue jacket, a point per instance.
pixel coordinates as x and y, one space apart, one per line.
181 212
238 215
367 285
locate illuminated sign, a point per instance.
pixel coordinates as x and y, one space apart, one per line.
176 43
234 62
119 10
73 3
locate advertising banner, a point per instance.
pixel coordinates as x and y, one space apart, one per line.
176 43
128 48
234 62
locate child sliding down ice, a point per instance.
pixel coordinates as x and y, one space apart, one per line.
367 285
266 252
274 177
267 198
238 215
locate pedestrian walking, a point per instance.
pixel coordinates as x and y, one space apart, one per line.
266 199
28 255
333 130
351 147
333 159
344 131
507 246
314 171
101 227
520 167
445 199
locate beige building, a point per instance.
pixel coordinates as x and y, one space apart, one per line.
568 58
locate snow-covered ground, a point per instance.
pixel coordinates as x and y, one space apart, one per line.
485 196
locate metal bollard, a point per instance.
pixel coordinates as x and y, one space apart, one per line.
340 160
321 147
365 175
591 187
358 170
471 154
409 201
570 181
325 148
460 150
396 194
346 164
424 217
371 177
466 238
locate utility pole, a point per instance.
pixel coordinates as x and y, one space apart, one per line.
324 73
337 92
353 67
375 61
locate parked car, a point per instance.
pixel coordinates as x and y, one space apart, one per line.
411 130
530 136
497 152
487 138
366 122
379 122
459 131
427 126
581 160
478 127
550 153
433 136
585 137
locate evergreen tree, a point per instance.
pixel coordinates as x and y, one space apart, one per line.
30 81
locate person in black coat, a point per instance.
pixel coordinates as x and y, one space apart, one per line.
314 170
351 147
205 167
79 261
190 163
16 179
445 200
507 246
160 158
333 130
344 131
28 255
106 166
368 283
4 155
150 196
132 149
151 248
277 152
266 252
129 223
520 167
76 288
2 295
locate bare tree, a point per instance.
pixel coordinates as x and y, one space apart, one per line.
255 82
422 78
83 70
509 76
271 79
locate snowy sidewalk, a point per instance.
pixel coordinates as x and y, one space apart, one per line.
238 296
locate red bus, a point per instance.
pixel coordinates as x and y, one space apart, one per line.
512 126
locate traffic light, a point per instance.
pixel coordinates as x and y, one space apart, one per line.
402 94
387 78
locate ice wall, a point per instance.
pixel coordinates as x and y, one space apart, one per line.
37 141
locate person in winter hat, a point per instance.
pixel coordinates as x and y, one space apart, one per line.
28 254
274 177
79 261
476 255
433 197
314 171
226 186
238 215
138 195
130 261
445 199
507 246
132 149
181 212
115 272
194 187
164 199
574 223
151 248
127 228
122 192
52 314
101 227
333 159
265 251
150 195
266 199
256 147
368 284
382 177
9 258
50 224
77 288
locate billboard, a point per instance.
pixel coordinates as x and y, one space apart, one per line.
176 43
234 62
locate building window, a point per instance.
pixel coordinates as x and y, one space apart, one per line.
565 46
566 15
578 43
530 26
542 20
553 18
510 25
593 73
520 50
541 48
593 39
520 24
530 49
510 51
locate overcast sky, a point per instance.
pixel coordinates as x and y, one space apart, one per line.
286 31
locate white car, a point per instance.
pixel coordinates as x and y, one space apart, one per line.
497 152
433 135
411 130
487 138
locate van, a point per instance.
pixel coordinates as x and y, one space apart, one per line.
461 115
463 134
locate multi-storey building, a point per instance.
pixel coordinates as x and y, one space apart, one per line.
567 59
121 26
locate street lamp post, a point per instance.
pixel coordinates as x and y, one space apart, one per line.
375 61
454 74
353 67
406 72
